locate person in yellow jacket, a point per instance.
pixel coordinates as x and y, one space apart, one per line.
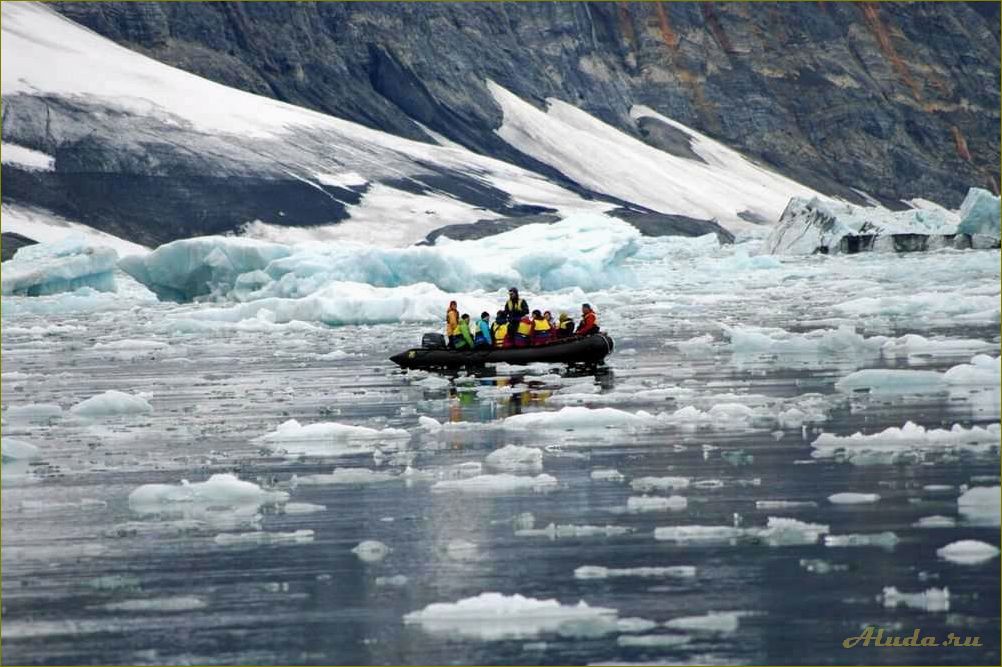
451 323
499 330
523 332
541 329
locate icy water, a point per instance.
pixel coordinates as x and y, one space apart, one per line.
87 578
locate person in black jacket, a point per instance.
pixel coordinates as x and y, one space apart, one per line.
516 307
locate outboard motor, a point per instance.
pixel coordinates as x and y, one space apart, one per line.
433 341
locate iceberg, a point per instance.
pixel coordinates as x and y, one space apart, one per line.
63 266
584 250
817 225
979 215
514 458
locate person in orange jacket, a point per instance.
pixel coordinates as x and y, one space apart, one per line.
589 321
451 323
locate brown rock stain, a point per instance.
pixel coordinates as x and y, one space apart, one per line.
961 143
626 24
668 35
872 17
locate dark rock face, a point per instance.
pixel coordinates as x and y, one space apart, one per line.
900 100
10 243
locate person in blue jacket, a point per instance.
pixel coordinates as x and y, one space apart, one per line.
483 336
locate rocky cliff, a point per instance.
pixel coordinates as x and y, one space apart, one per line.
896 100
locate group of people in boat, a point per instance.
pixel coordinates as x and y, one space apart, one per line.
514 326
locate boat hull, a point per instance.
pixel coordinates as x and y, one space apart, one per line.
578 350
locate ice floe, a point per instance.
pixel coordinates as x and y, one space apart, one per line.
500 483
655 503
112 403
220 490
931 600
174 604
330 438
371 551
348 476
851 498
778 531
600 572
892 442
563 531
980 506
514 458
16 449
494 616
884 540
968 552
713 622
260 538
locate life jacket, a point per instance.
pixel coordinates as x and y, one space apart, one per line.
566 327
500 333
524 326
540 325
516 306
451 321
587 323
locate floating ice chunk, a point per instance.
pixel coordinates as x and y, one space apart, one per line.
652 641
713 622
291 435
910 437
303 508
931 600
821 566
818 225
648 484
14 449
461 550
112 403
911 344
33 412
63 266
968 552
433 382
655 503
501 483
634 624
599 572
983 370
188 268
395 581
699 534
607 475
260 537
514 458
981 506
884 540
358 476
849 498
168 604
371 551
554 531
784 504
782 531
979 214
844 340
572 418
493 616
220 490
935 521
884 381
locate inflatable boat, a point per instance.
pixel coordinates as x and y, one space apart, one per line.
575 350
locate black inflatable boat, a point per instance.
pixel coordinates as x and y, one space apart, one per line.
576 350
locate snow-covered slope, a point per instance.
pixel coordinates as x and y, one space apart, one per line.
215 159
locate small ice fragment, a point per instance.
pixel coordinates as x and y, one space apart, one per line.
713 622
936 521
513 458
371 551
396 581
655 503
303 508
607 475
932 600
968 552
112 403
849 498
260 537
166 604
885 540
652 641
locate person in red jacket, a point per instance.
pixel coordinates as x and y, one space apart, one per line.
589 321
